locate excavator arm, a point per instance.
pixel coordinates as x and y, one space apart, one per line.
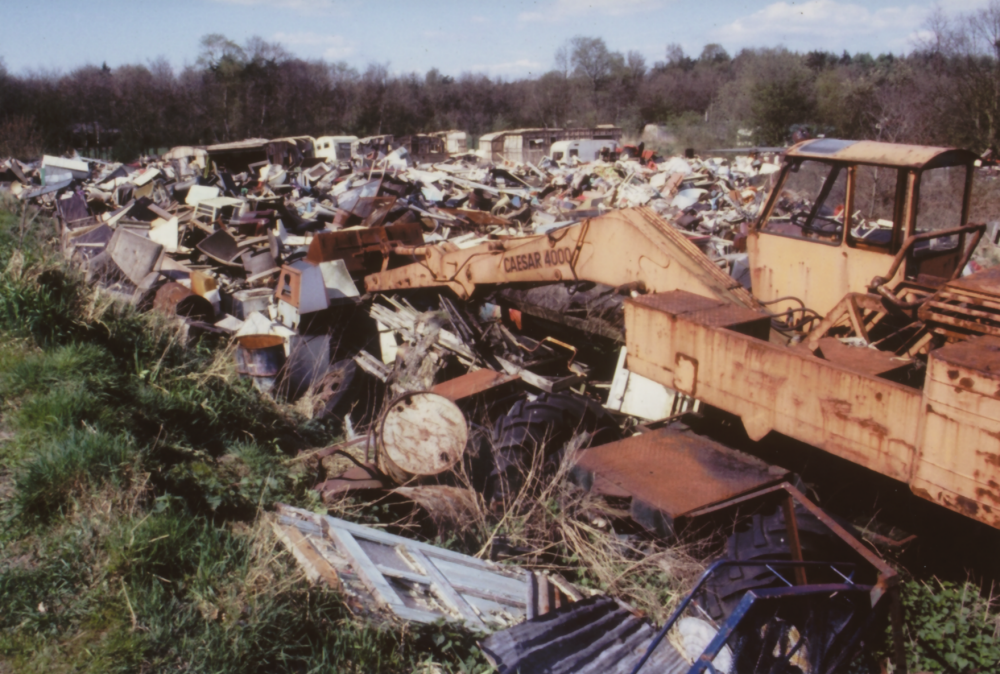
633 248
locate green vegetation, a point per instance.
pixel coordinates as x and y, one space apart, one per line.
951 627
134 470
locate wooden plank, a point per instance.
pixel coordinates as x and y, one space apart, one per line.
317 568
489 582
412 576
446 591
365 569
391 539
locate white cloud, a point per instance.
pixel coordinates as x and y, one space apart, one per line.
332 46
559 10
824 24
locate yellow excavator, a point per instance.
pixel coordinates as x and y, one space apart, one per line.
860 336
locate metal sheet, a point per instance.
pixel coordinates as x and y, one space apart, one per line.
353 479
471 383
352 245
886 154
863 419
595 635
674 472
221 247
135 255
175 299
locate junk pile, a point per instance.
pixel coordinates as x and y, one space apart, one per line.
269 240
464 321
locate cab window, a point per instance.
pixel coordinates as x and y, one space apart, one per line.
878 202
811 203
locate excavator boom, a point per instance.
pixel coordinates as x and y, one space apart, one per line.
633 248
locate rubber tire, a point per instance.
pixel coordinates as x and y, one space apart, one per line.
544 425
763 536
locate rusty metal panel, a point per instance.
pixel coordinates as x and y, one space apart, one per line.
875 152
818 274
472 383
959 459
708 312
986 283
867 420
352 245
174 299
675 472
860 359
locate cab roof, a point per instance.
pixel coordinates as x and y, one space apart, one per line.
881 154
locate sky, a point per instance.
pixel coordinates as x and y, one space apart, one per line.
500 39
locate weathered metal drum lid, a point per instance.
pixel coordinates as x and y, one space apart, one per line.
421 433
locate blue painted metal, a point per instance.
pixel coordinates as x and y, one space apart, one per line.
751 598
748 600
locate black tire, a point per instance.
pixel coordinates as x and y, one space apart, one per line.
345 390
539 429
764 536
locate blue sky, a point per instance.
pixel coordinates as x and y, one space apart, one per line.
500 39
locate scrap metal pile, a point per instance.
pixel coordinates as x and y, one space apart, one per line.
453 386
260 239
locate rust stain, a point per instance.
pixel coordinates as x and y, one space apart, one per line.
874 427
986 493
966 382
966 505
952 374
840 408
989 457
878 397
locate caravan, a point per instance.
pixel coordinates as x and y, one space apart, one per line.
587 150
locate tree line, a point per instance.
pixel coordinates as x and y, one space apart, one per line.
946 91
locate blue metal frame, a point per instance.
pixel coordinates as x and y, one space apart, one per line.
704 663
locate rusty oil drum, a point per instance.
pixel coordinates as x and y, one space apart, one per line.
420 434
261 357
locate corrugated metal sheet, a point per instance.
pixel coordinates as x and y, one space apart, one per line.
598 635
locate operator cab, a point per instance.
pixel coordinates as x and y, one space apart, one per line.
867 200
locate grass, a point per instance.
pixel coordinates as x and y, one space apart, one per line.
134 467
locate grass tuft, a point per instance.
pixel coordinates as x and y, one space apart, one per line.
72 463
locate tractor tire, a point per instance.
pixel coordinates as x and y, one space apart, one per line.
538 430
764 536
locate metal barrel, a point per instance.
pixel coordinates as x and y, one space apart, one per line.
420 434
262 358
